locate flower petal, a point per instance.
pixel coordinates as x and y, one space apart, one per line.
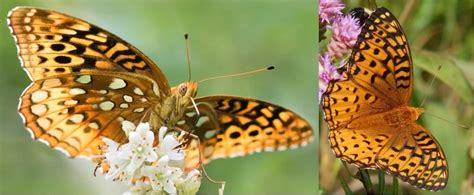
161 133
128 127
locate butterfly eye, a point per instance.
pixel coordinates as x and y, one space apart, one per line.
183 89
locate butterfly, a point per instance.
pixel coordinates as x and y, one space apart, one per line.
370 120
86 81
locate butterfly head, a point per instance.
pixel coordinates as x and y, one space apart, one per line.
185 90
415 112
418 112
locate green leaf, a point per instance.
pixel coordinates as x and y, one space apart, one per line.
450 73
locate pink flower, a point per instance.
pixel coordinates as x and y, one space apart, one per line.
345 31
327 72
328 9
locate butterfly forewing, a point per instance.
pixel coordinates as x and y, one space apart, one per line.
381 60
371 124
85 81
51 43
345 100
236 126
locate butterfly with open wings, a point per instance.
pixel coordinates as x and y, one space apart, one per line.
86 81
371 124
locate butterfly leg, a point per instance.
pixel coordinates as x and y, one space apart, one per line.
198 114
201 164
207 110
202 110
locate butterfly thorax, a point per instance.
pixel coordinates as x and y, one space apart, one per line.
397 117
173 107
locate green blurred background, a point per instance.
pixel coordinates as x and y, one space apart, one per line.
225 37
439 33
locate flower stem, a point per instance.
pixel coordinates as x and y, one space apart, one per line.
395 186
346 188
365 179
381 186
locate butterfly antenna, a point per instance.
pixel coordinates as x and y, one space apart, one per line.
186 40
450 122
431 85
239 74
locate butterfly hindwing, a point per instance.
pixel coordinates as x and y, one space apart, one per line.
411 153
236 126
416 157
72 113
359 146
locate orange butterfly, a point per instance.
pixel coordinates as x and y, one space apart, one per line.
86 81
371 123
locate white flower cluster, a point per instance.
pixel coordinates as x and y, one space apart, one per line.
148 169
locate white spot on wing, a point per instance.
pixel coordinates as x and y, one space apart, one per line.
56 133
103 91
31 37
237 154
77 118
117 84
280 148
139 110
128 98
39 96
50 83
123 105
31 12
93 125
84 79
269 149
43 123
77 91
106 105
191 114
70 102
28 28
39 109
44 141
138 91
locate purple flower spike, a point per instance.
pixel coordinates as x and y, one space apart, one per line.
345 32
329 9
327 72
